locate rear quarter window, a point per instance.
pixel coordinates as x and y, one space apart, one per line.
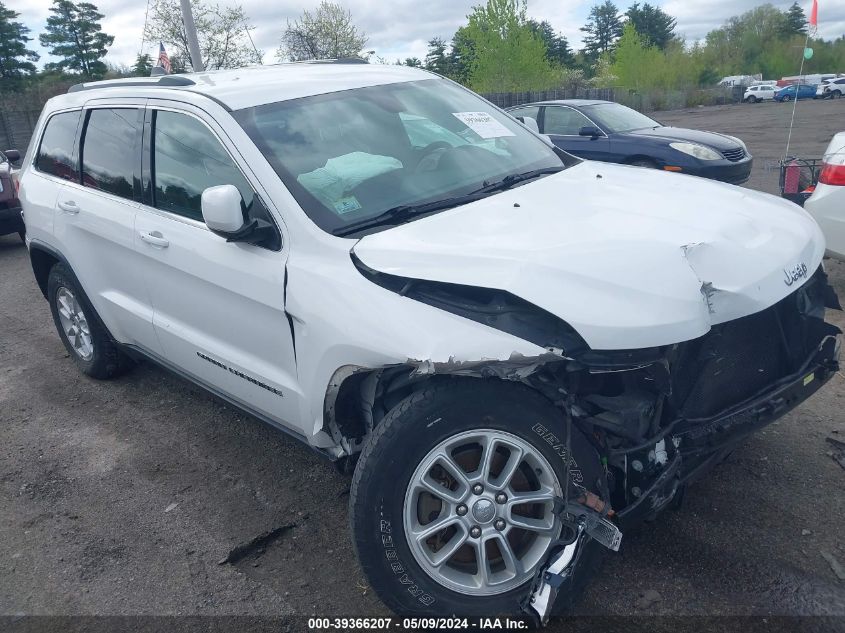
56 151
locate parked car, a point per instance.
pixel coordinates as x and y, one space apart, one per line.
827 204
804 91
526 353
611 132
831 89
10 207
754 94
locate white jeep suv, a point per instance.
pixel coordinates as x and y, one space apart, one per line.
519 353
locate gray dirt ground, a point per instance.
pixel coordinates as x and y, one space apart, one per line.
122 497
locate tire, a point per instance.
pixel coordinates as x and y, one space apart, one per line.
787 98
446 411
92 349
752 99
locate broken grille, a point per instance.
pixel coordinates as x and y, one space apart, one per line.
739 359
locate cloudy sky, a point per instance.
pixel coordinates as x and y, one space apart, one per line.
401 28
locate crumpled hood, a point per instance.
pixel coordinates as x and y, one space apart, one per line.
629 257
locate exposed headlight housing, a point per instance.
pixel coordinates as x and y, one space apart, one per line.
701 152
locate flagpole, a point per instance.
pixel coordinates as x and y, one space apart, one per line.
812 26
797 90
191 33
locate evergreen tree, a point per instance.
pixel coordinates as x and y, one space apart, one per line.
796 20
655 26
436 59
557 48
74 34
15 58
603 29
143 65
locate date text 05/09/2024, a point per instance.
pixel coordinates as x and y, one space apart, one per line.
417 624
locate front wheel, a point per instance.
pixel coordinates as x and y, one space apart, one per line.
787 98
452 502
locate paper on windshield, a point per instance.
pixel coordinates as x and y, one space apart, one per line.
483 124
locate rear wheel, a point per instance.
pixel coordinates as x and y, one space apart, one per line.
452 502
788 98
752 99
80 328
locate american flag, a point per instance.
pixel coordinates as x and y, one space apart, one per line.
163 59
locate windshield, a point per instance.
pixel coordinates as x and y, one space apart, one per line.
615 118
353 155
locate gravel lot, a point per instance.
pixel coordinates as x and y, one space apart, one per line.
123 497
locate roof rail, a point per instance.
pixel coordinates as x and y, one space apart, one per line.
168 81
340 60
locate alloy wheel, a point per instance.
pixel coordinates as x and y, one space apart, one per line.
479 512
74 323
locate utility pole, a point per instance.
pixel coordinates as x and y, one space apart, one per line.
191 32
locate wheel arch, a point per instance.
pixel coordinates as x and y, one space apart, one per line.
42 258
358 398
629 160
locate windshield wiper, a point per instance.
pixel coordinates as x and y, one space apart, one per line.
512 179
397 215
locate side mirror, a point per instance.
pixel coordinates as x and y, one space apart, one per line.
12 155
224 214
222 210
530 122
590 130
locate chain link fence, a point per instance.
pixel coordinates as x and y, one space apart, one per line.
16 127
643 101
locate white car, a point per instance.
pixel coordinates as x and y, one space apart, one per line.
831 88
827 204
754 94
526 353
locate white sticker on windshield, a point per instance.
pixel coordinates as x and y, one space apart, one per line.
483 124
347 205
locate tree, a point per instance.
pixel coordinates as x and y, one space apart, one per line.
15 58
223 34
461 55
507 56
413 62
796 20
74 34
327 33
436 59
557 48
143 65
654 25
603 29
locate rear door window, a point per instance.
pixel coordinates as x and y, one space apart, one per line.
56 152
109 150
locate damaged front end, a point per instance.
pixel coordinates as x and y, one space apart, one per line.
657 417
661 424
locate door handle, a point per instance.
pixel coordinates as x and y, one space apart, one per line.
155 239
69 206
